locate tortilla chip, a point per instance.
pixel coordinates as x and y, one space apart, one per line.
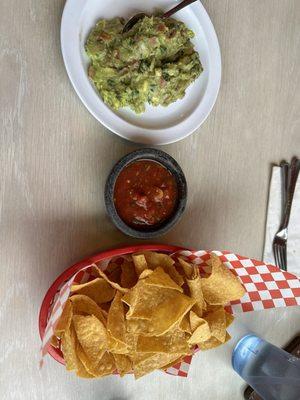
98 290
128 275
68 344
161 279
217 324
143 363
145 273
173 363
140 263
112 283
123 364
55 342
144 298
89 365
212 343
186 268
81 370
195 320
196 293
201 334
229 318
116 319
105 365
162 307
83 305
172 342
170 312
164 261
155 260
209 344
113 272
185 325
221 286
65 319
92 336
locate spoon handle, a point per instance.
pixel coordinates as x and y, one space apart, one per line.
181 5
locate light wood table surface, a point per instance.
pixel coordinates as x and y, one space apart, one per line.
54 159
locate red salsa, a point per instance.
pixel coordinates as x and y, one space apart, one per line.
145 194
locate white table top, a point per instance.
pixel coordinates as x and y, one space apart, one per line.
55 158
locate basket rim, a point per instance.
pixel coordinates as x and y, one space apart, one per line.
65 275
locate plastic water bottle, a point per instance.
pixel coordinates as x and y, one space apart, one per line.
272 372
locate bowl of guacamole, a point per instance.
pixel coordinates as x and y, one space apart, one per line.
155 62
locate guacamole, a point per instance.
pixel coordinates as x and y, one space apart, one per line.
152 63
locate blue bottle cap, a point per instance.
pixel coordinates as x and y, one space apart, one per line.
245 351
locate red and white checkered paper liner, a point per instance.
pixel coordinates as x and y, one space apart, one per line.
266 287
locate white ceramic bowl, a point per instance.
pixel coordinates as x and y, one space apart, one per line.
157 125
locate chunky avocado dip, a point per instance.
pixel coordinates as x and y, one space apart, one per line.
152 63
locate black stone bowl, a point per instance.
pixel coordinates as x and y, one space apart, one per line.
169 163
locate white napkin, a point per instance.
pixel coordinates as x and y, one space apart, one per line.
273 221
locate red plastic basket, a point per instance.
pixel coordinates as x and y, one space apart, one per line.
68 273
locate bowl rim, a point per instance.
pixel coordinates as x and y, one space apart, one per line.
165 160
55 353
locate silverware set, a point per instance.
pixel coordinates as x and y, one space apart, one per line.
289 176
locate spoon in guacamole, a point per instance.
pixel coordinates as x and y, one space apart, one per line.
133 20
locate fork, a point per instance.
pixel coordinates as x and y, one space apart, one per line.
290 176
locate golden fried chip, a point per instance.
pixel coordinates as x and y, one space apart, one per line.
155 260
196 293
145 273
172 342
105 365
171 311
209 344
112 283
164 261
84 366
123 364
186 267
174 362
65 319
200 334
112 268
161 279
113 272
228 319
98 290
117 347
55 342
212 343
162 307
83 305
174 274
140 263
68 344
92 336
143 298
185 324
116 319
137 326
217 324
128 275
221 286
143 363
81 370
195 320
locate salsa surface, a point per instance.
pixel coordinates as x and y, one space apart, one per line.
145 194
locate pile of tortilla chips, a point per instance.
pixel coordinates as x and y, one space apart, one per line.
145 314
